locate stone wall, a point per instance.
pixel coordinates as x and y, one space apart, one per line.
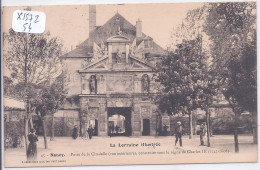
72 79
107 83
95 107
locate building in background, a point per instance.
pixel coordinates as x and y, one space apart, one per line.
14 112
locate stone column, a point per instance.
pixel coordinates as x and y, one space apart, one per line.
136 118
110 53
127 53
102 118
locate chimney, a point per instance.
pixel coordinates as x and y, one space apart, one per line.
92 18
139 28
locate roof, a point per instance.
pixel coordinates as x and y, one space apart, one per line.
10 102
102 33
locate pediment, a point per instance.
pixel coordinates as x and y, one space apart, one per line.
139 65
102 65
118 38
99 65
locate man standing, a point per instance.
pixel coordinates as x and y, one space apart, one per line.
90 132
75 132
117 128
203 134
178 133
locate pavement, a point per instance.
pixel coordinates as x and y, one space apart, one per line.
134 150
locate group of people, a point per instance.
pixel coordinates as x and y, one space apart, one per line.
179 133
14 141
86 134
33 138
112 128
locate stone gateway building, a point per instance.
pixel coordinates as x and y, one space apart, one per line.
110 79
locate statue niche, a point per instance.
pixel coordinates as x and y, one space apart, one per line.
92 84
118 56
145 83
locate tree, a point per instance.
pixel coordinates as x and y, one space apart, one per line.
8 85
190 29
41 111
51 97
231 28
29 57
185 80
247 76
54 97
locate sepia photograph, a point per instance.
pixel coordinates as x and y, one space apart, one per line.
130 84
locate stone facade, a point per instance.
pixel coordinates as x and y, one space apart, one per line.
112 73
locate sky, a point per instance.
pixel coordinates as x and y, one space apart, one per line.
70 22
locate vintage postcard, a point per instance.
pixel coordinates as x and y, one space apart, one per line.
128 84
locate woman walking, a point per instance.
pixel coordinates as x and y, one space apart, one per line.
32 149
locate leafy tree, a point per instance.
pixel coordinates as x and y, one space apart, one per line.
50 99
8 85
231 28
31 59
190 29
186 82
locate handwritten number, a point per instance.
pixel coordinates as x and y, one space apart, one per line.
28 20
24 26
30 27
36 20
31 17
19 16
24 16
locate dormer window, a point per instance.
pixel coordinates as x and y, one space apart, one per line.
118 49
118 57
148 43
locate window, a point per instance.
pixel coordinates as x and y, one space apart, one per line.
118 58
148 43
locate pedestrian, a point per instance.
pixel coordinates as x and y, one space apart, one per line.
165 127
15 141
90 132
178 133
113 128
117 128
203 134
109 129
75 132
8 142
85 135
32 148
